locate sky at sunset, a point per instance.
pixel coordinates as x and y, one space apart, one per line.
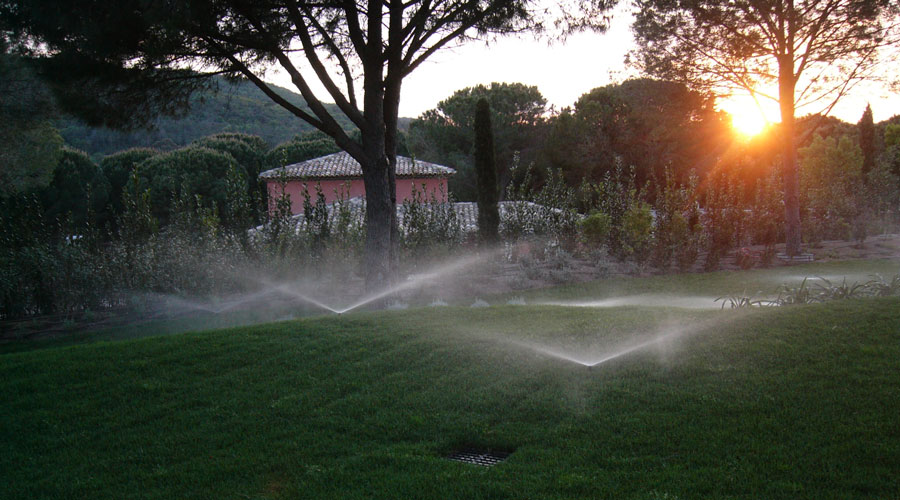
563 71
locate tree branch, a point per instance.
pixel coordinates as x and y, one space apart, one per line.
302 31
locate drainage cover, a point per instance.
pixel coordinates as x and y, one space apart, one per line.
479 457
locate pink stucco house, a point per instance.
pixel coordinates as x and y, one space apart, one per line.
339 174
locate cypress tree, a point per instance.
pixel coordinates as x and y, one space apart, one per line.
486 174
866 127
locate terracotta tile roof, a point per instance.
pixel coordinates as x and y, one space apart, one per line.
342 166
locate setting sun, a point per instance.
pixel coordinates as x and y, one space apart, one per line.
748 124
747 117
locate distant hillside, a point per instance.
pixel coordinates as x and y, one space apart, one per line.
235 107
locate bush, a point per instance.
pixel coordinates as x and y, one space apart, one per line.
187 172
832 187
767 215
595 229
614 195
78 189
548 211
299 149
118 168
676 233
724 219
637 232
428 223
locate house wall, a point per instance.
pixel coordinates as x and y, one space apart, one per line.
351 189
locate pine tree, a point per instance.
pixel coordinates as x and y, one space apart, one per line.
486 174
867 140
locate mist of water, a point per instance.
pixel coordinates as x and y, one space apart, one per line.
292 292
677 301
313 293
418 280
592 357
218 306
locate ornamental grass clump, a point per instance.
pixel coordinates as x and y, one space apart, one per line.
826 290
881 287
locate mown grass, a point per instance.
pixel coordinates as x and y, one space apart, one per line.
793 402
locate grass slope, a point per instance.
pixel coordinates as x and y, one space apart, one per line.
795 402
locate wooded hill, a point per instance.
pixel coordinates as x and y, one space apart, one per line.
227 107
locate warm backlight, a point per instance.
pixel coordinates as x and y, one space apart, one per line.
748 124
748 118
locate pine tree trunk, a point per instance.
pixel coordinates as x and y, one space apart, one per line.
786 84
376 175
391 114
379 211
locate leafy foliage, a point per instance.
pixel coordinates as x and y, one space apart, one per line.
300 148
429 223
187 172
547 211
77 189
595 229
446 135
647 124
119 169
724 219
833 193
31 145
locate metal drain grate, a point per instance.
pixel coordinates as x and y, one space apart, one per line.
478 457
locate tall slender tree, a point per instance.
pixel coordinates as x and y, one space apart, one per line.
866 127
809 51
359 51
446 134
486 173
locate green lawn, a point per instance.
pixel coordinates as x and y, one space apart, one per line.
793 402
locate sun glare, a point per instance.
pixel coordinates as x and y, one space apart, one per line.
747 118
748 124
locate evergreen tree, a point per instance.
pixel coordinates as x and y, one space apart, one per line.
486 171
867 140
814 50
78 190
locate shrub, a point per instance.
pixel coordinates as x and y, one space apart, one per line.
677 233
614 195
595 229
723 219
637 232
548 211
767 215
77 188
832 187
429 223
187 172
118 169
